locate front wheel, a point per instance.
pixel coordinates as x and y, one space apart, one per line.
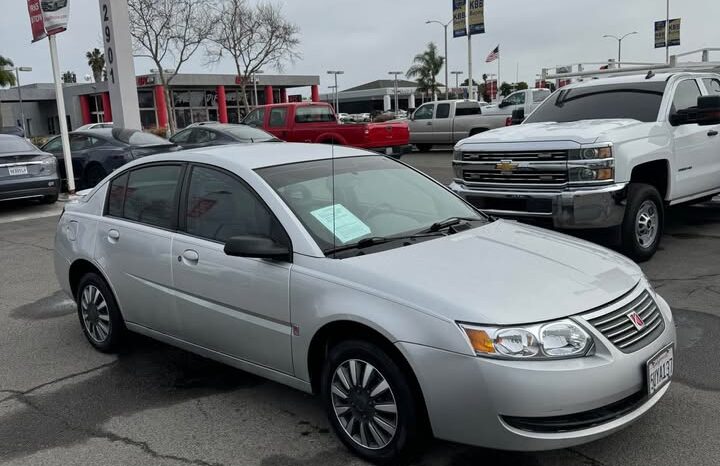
370 403
642 226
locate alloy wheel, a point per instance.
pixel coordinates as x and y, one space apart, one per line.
646 224
364 404
95 313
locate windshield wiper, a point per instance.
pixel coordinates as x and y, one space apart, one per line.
449 222
376 240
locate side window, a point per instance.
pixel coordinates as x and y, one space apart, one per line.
539 96
256 118
78 142
182 136
278 117
151 195
443 111
55 145
467 109
517 98
686 95
425 112
202 136
712 85
219 207
314 114
116 196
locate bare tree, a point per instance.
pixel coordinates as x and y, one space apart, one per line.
169 32
254 36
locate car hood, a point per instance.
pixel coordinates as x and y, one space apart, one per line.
502 273
581 132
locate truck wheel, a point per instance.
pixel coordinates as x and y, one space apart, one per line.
424 147
475 131
642 226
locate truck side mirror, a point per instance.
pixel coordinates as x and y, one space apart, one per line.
518 116
708 109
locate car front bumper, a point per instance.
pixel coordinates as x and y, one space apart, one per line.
472 399
601 207
29 187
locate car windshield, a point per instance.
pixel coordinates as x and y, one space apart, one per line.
369 197
249 134
15 144
137 138
639 101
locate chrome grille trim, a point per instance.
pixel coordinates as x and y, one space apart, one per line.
515 156
620 331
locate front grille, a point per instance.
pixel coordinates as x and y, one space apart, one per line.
617 327
521 176
533 156
577 421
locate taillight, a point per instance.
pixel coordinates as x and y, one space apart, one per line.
508 121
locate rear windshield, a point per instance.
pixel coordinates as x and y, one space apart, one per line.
313 114
638 101
18 144
137 138
248 133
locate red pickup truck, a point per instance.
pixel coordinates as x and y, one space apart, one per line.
316 122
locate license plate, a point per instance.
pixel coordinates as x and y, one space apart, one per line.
659 370
17 170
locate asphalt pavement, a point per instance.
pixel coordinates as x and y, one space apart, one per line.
62 403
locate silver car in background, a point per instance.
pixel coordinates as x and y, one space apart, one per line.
348 274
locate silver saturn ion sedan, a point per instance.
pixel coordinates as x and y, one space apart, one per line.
348 274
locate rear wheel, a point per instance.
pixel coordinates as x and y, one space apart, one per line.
642 226
94 174
424 147
370 403
99 313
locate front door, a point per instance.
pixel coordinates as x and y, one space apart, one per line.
133 244
421 125
233 305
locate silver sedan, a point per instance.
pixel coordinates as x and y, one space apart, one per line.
348 274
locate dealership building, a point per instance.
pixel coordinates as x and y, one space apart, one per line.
193 98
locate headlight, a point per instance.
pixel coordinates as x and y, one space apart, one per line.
553 340
591 164
48 166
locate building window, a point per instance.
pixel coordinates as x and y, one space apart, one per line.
97 113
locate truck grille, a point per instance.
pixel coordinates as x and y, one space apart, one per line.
529 176
617 327
533 156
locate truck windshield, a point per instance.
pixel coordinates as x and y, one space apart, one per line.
639 101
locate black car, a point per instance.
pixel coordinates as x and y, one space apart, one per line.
218 134
97 152
26 171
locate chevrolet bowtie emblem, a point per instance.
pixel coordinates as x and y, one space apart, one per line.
506 166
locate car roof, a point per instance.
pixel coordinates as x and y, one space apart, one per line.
6 136
242 157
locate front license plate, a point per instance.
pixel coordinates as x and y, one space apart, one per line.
17 170
659 370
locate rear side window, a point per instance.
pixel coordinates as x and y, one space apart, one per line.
713 86
686 95
539 96
116 196
443 111
466 109
151 195
313 114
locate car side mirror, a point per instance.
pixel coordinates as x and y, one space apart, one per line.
518 116
503 104
258 247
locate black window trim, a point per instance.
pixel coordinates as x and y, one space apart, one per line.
176 201
182 208
671 108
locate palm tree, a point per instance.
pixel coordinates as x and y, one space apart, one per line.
96 61
426 66
7 77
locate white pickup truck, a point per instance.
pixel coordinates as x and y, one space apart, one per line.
448 121
609 153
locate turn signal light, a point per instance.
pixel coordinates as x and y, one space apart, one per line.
480 340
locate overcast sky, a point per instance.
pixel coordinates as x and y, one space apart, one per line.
368 38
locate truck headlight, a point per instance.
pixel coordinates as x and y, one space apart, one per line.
591 164
554 340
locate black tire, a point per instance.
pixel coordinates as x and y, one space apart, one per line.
424 147
51 199
93 175
113 321
642 196
410 429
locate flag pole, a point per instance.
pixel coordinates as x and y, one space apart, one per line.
471 88
498 75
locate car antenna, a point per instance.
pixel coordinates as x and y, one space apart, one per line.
650 75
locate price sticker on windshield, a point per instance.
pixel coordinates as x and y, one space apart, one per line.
341 222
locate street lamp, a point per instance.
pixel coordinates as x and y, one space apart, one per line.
17 70
396 74
619 39
337 98
445 25
255 83
457 78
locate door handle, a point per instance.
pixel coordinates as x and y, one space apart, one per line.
189 256
712 133
429 123
113 236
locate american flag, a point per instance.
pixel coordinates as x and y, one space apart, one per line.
494 55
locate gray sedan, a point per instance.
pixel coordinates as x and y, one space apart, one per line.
341 272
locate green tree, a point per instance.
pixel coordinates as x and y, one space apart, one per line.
426 66
7 76
505 89
522 85
96 62
69 77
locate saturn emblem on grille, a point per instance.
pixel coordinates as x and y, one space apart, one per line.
636 320
506 166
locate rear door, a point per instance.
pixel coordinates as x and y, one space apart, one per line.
442 125
466 118
133 244
421 124
233 305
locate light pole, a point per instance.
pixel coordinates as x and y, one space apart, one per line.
396 74
445 25
255 83
17 70
619 39
337 101
457 78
